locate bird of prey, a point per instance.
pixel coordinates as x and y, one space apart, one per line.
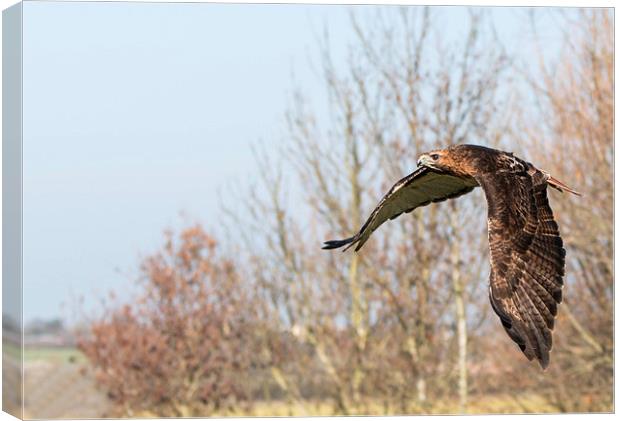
526 250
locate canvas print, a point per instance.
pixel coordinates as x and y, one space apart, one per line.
217 210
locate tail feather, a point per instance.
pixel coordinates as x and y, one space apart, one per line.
558 185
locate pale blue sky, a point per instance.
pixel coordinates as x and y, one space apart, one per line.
134 112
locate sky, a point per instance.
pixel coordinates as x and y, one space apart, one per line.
137 112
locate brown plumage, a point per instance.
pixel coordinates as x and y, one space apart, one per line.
527 254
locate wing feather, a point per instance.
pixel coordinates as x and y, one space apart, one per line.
420 188
527 259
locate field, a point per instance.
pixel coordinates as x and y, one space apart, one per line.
54 355
60 385
480 405
502 404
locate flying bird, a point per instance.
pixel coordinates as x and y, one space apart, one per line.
526 250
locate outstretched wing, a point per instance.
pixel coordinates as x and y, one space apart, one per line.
527 259
419 188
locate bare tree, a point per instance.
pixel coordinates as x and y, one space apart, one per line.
573 138
405 92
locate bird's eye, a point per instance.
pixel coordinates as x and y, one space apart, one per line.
435 157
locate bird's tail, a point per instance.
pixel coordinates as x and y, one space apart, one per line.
558 185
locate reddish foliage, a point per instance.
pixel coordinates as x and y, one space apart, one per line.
179 347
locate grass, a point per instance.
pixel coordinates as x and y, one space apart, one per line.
53 354
495 404
44 353
47 354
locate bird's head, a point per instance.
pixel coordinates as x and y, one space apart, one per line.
458 160
436 159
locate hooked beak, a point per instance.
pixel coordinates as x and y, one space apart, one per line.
428 162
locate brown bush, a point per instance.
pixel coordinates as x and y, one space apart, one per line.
179 348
